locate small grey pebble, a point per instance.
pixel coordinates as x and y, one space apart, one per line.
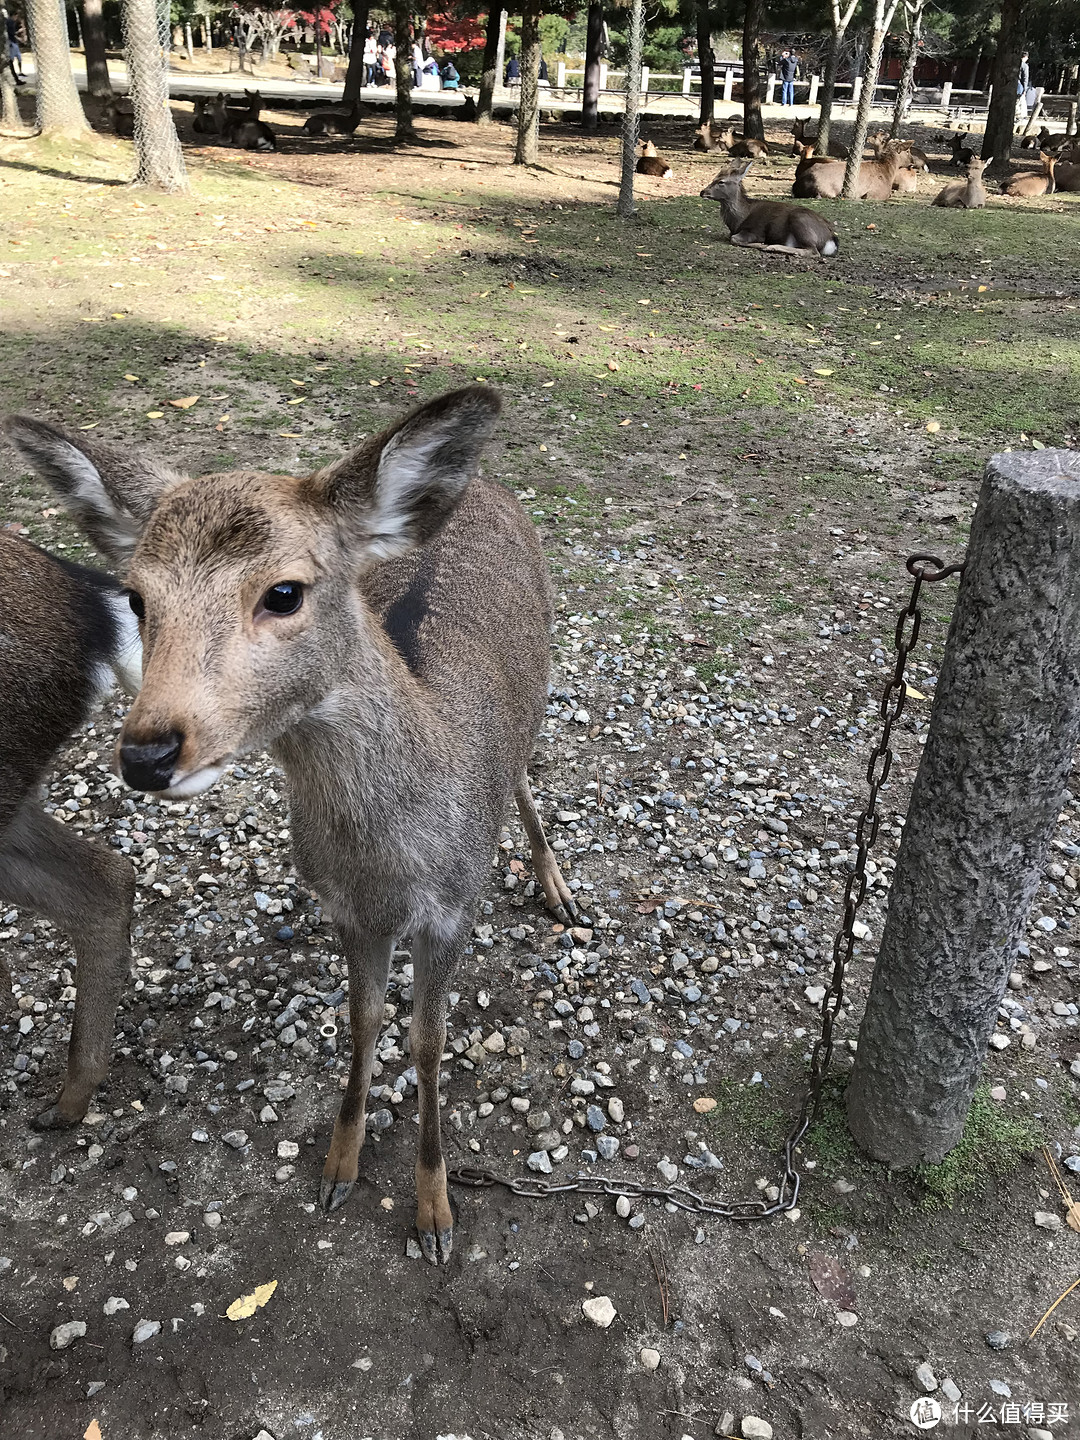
999 1340
237 1139
145 1330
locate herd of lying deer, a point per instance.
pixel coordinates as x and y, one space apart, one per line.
241 126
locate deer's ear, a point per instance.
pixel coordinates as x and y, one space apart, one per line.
110 493
396 491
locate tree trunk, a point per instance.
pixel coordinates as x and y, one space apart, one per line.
78 29
590 90
404 134
632 113
1001 117
208 39
496 27
97 65
753 126
11 121
189 46
528 135
991 782
160 162
828 90
882 21
59 109
906 86
354 76
706 62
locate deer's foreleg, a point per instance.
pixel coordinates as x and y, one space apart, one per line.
556 890
88 893
368 958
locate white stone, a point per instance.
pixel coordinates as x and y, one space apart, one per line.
650 1359
115 1303
847 1318
600 1310
754 1428
178 1237
951 1391
925 1377
1047 1220
616 1110
63 1335
287 1149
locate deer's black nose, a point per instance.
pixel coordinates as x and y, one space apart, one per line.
150 765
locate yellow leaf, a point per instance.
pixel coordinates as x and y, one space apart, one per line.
644 302
92 1431
982 288
297 382
374 384
823 372
543 447
120 315
131 377
481 377
605 327
297 400
799 380
222 419
219 338
92 426
185 402
613 365
547 384
915 694
246 1305
703 1104
154 414
626 422
933 426
289 435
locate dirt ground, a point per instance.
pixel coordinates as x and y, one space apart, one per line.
728 460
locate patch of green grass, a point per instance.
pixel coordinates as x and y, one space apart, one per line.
748 1115
993 1144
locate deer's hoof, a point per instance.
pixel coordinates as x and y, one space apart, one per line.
53 1118
437 1247
334 1193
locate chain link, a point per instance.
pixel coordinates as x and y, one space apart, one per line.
924 569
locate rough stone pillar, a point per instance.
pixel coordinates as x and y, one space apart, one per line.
1003 733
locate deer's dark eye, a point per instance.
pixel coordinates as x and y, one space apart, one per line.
284 599
137 604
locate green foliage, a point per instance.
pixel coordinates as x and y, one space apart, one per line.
993 1144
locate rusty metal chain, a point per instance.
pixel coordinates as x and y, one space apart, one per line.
924 569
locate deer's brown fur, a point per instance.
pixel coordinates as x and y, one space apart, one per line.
969 194
769 224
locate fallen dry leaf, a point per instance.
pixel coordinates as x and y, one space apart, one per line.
823 372
131 377
831 1280
92 1431
154 414
613 365
185 402
933 426
915 694
246 1305
626 422
92 426
289 435
703 1104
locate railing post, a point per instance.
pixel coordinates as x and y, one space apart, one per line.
560 75
815 81
729 80
603 74
991 783
644 79
946 93
686 78
770 90
856 91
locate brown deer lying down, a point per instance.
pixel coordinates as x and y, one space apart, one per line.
333 122
120 114
769 224
918 160
204 121
1067 179
1029 185
818 178
739 145
65 632
383 627
969 194
1046 140
962 154
707 136
649 162
801 139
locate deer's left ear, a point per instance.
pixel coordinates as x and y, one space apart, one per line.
396 491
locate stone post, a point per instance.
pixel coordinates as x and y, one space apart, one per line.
1003 733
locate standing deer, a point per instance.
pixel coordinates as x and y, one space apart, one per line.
382 626
769 224
66 631
969 194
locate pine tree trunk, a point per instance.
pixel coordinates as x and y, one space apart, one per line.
828 90
590 90
97 66
354 76
160 162
706 62
11 122
490 77
208 39
907 81
632 113
882 22
1001 117
753 126
404 134
528 136
59 109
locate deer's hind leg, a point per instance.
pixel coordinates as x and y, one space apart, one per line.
88 892
556 890
368 958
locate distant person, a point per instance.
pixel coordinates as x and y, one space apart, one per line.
513 72
543 77
1026 97
788 68
451 78
371 55
417 65
14 50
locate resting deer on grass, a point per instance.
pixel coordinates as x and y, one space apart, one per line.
65 632
650 163
769 224
969 194
382 626
823 179
1031 185
802 139
333 122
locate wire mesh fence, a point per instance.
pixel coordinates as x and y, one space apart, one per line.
147 36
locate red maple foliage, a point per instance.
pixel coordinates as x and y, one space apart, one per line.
325 14
454 34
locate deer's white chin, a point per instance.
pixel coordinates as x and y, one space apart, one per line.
194 783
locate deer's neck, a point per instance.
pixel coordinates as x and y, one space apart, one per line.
735 208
